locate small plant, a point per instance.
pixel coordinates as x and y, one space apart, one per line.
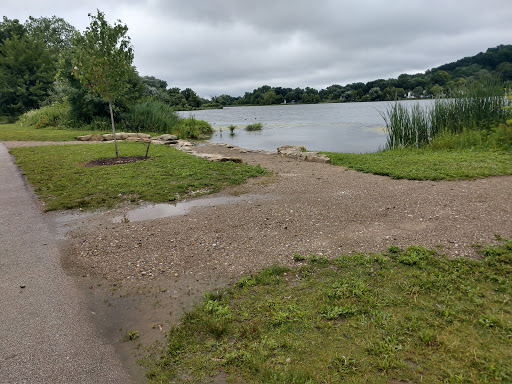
254 127
232 129
131 336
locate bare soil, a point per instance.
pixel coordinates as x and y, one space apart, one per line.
115 161
160 267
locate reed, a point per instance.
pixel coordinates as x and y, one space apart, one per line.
153 116
479 106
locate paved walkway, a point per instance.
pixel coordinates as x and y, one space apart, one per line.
46 330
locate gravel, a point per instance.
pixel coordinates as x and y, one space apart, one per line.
309 208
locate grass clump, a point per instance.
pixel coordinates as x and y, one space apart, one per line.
407 315
479 106
60 179
254 127
153 116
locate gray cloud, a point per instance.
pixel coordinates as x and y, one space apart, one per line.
233 46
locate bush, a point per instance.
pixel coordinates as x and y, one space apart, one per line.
502 136
55 115
254 127
190 128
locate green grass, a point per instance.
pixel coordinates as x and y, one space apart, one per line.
10 132
402 316
429 164
60 180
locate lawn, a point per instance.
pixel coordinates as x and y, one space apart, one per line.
402 316
61 180
9 132
429 164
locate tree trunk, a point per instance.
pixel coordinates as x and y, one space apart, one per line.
113 128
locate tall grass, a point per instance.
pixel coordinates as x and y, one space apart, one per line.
152 116
479 106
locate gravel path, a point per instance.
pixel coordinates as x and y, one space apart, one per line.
304 208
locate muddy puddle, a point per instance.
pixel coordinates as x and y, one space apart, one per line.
159 211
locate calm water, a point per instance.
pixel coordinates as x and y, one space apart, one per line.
347 127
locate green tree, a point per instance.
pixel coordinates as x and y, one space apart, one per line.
102 60
27 69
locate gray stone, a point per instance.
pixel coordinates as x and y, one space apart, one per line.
166 137
96 137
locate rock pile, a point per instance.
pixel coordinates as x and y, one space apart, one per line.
299 152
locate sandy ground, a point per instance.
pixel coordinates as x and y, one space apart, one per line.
301 208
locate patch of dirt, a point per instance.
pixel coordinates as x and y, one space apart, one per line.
115 161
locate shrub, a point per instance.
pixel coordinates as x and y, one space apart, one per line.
55 115
254 127
190 128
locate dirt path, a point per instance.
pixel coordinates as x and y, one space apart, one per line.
161 266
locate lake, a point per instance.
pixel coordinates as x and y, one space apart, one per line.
340 127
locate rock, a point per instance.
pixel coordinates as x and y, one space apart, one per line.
84 138
166 137
299 152
96 137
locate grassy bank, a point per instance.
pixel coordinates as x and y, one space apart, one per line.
10 132
401 316
62 182
429 163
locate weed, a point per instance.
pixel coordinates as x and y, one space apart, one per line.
131 336
254 127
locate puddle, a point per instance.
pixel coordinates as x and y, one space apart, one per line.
159 211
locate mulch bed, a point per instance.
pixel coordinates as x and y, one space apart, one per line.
115 160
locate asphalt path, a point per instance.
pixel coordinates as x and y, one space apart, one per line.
47 332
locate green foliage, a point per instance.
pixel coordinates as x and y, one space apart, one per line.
478 106
406 315
152 116
254 127
27 70
102 58
170 175
190 128
54 115
131 336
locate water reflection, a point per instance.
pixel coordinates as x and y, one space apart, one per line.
159 211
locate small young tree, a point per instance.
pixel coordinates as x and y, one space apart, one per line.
102 60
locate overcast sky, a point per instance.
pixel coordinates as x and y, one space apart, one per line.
234 46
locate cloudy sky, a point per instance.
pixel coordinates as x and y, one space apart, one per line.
233 46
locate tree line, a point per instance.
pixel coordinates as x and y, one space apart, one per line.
40 65
495 62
